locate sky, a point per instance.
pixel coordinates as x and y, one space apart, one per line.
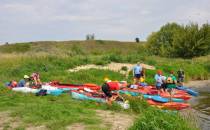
48 20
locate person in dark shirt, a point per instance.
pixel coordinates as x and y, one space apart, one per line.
181 76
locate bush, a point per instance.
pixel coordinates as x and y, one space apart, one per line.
173 40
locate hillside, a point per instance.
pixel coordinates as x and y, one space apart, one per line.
53 60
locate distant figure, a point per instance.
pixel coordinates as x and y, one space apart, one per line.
181 76
137 40
137 73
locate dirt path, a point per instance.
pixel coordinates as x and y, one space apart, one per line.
117 67
116 121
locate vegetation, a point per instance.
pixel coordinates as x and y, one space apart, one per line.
174 40
53 59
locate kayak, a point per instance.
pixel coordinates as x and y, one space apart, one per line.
162 99
188 90
97 97
75 86
176 105
87 96
25 90
178 95
142 90
169 105
126 92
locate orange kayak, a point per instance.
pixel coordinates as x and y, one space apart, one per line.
175 105
176 95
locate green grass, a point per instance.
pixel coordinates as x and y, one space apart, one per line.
53 59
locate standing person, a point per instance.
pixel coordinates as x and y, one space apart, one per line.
108 87
158 81
181 76
36 78
171 83
137 72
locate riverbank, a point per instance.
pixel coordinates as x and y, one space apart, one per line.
198 83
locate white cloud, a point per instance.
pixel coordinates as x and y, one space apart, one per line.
23 20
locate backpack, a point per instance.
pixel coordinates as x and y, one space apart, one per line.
169 80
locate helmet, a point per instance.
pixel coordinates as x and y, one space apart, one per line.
14 84
106 79
26 77
141 80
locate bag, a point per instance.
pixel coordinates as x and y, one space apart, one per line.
42 92
169 80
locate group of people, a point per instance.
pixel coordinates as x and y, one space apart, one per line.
169 82
27 81
162 82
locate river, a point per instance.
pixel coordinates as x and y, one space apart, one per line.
201 104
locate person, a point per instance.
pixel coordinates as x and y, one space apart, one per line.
171 83
137 72
158 81
180 75
36 78
24 82
109 86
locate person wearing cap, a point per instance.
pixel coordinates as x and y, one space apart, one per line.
108 87
137 73
158 81
24 82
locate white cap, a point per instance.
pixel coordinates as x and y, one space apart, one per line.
26 77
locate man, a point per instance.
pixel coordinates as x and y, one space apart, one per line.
108 87
180 75
137 72
36 78
158 81
171 83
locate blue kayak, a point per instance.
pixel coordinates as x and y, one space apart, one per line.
128 93
56 92
162 99
80 96
188 90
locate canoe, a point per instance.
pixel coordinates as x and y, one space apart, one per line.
162 99
86 96
25 90
142 90
169 105
180 96
75 86
130 93
188 90
176 105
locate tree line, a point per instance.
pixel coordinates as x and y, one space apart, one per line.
186 41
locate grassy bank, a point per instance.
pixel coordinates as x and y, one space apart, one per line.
53 59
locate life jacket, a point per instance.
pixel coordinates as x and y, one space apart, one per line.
169 80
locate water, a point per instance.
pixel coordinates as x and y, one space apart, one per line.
202 106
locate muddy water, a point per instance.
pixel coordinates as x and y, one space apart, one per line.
202 104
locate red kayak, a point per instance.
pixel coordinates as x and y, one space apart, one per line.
80 87
143 90
176 105
176 95
169 105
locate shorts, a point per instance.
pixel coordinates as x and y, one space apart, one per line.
163 86
158 87
105 89
137 76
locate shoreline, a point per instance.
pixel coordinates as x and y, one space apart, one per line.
198 84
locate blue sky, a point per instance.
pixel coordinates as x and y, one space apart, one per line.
41 20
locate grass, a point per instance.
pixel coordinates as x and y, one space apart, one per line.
53 59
